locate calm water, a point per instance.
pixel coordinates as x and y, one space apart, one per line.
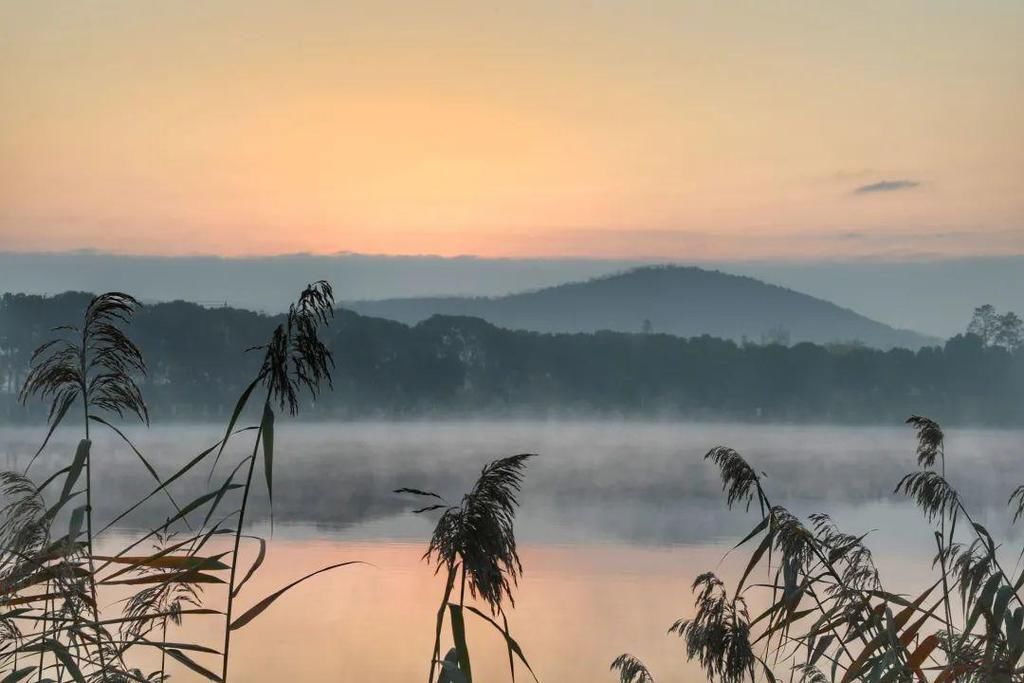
616 520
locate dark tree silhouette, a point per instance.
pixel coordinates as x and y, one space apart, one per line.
450 365
1004 330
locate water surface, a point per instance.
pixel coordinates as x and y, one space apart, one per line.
616 520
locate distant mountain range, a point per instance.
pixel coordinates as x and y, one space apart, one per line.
677 300
932 296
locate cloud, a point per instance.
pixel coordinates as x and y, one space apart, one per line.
887 186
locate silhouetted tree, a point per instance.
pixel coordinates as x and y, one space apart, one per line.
459 365
994 329
1010 331
984 324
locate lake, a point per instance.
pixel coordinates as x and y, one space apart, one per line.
617 519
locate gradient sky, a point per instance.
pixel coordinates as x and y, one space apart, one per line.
684 130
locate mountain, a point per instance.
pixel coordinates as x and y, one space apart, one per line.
933 296
455 366
677 300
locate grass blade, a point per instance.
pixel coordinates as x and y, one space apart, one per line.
201 500
181 657
267 426
75 470
152 471
159 561
260 556
459 635
242 400
180 473
59 414
509 640
61 652
435 657
266 602
191 576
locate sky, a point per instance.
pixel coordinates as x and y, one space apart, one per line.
798 130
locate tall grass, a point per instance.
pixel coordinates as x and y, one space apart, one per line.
52 626
829 617
474 544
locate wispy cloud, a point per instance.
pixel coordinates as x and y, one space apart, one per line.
887 186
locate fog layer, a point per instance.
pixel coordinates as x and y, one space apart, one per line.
591 482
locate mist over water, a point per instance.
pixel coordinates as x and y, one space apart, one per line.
617 519
638 482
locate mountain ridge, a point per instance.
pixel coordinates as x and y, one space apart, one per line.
683 301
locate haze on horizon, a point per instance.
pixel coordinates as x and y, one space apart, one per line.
931 296
670 131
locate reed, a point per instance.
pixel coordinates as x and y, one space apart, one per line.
474 544
830 618
52 627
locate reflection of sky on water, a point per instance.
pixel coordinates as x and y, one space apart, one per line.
577 607
616 521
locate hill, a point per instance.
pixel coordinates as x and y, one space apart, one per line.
932 296
676 300
459 366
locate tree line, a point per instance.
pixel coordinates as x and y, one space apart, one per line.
461 366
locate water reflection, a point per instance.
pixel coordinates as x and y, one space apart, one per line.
617 519
577 608
633 480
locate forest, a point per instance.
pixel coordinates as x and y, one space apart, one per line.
461 366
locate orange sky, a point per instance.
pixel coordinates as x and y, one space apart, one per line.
608 129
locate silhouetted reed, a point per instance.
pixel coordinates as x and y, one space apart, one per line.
474 543
829 617
51 625
631 670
